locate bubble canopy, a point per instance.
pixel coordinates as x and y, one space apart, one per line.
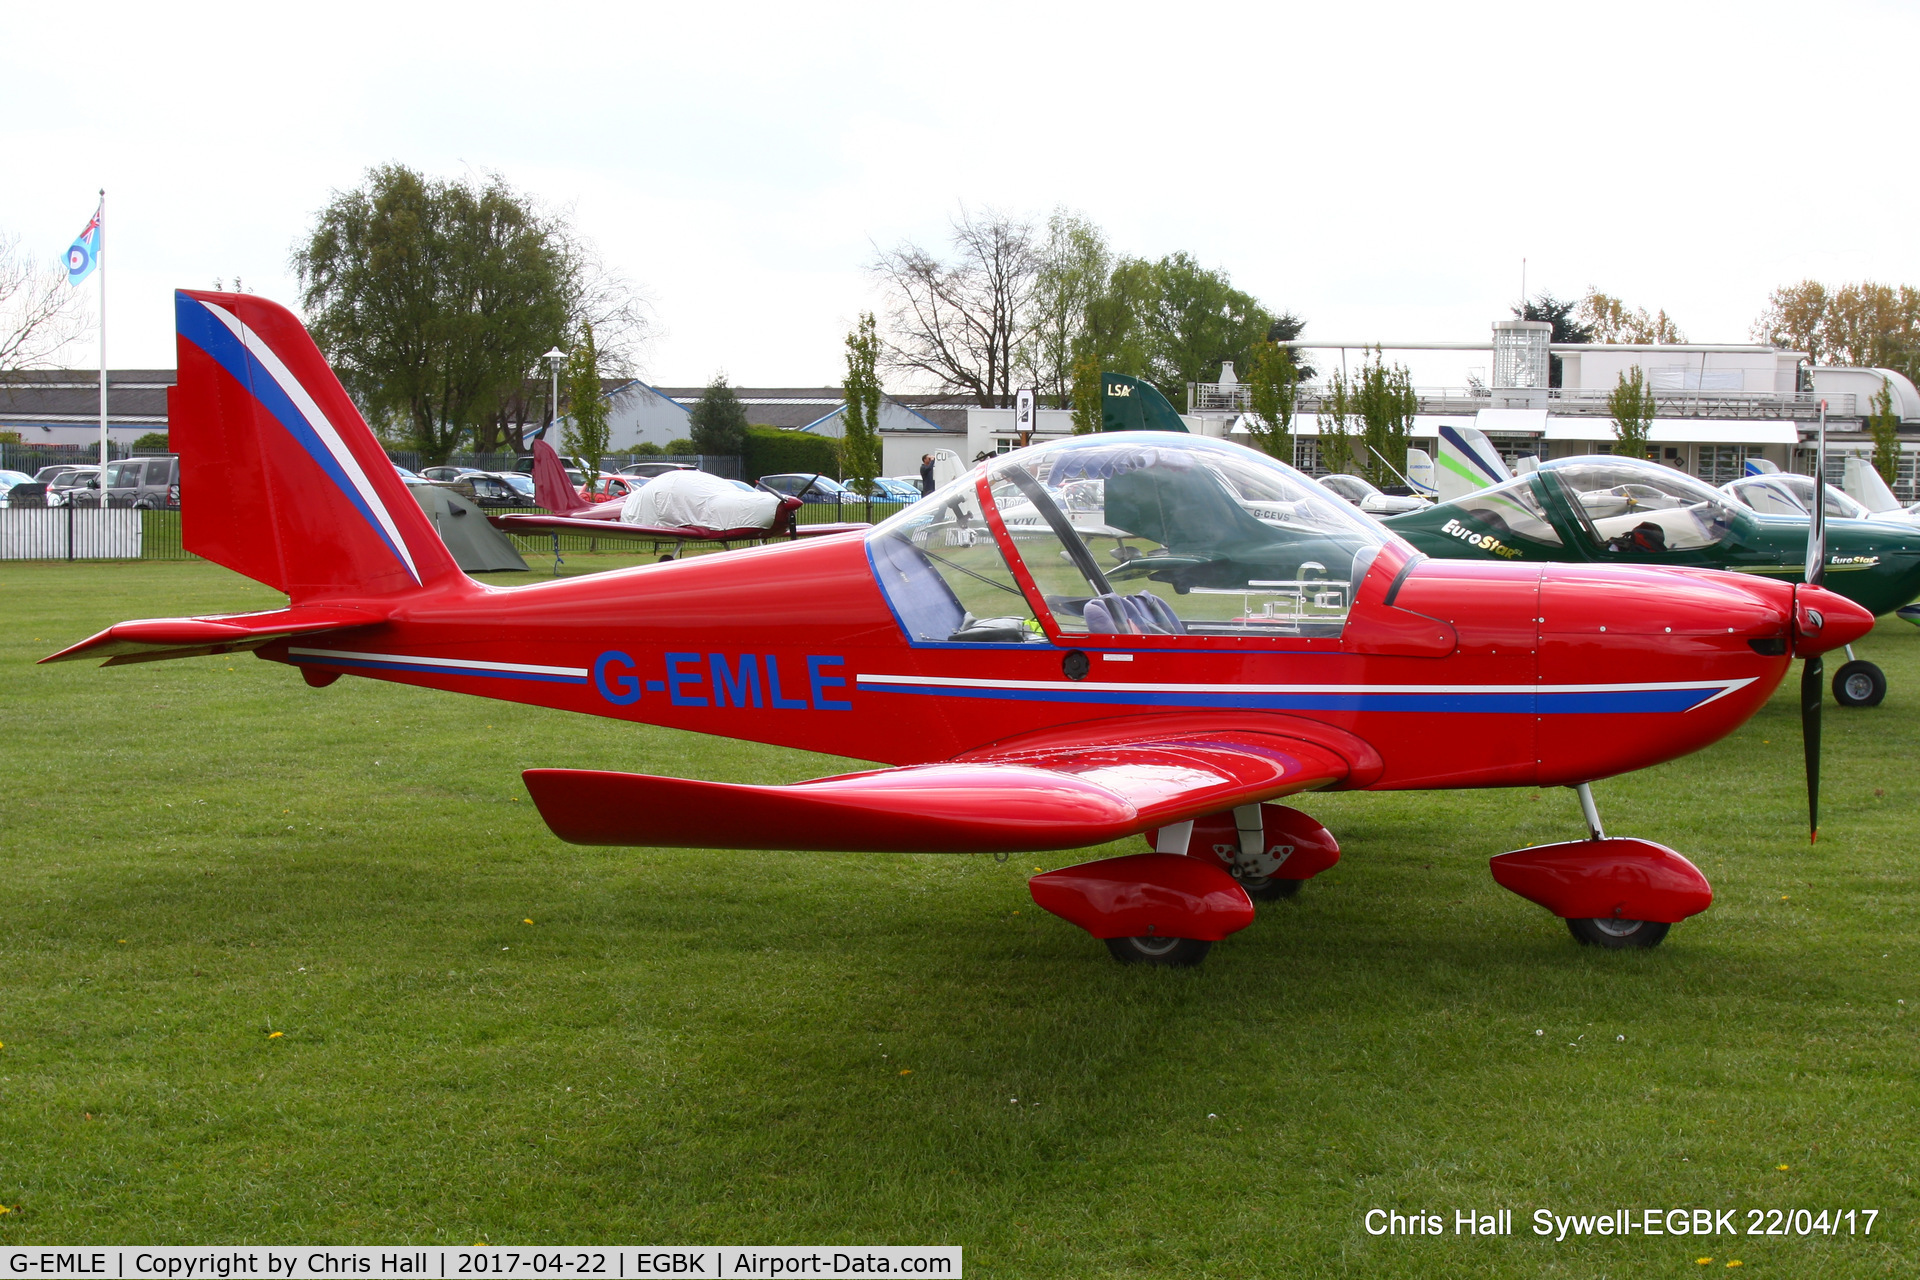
1136 533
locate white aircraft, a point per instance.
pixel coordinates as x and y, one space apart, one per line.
1780 493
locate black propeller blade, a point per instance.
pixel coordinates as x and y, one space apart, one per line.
1812 693
1814 670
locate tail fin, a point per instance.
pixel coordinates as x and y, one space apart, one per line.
1468 462
1420 473
1864 485
551 488
280 478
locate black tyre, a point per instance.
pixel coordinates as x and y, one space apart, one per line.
1269 889
1617 935
1859 684
1172 953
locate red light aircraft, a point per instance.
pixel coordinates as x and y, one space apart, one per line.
571 513
1105 636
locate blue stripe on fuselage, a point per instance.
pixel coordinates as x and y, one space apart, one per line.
1614 702
422 668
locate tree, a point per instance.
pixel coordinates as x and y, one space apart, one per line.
964 323
1874 326
152 442
1338 409
1113 336
860 443
1087 407
1610 320
719 422
1285 328
1193 320
1563 315
1632 407
1884 425
587 429
1273 385
1384 402
40 313
1074 267
1793 318
1869 325
433 300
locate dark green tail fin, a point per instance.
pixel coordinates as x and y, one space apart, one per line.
1129 404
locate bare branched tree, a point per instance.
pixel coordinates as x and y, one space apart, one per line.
619 312
962 324
40 314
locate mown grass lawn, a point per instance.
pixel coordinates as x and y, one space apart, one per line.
295 965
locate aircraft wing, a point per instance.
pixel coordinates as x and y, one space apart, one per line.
151 639
1017 797
612 528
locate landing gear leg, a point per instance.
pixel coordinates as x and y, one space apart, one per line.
1607 931
1613 892
1250 827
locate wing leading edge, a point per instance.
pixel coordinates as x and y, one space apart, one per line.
1009 799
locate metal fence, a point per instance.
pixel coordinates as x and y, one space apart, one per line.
31 457
88 533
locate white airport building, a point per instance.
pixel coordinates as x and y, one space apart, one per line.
1717 404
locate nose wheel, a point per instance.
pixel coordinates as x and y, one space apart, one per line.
1616 894
1617 935
1859 684
1170 953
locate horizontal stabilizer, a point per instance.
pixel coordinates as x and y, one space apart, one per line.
151 639
1062 799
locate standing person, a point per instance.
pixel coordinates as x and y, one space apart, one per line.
926 475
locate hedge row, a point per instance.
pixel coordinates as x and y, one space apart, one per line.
771 451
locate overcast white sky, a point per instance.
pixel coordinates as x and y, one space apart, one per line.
1379 169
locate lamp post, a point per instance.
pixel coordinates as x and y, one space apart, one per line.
553 359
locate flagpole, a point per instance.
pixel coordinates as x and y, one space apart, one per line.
100 265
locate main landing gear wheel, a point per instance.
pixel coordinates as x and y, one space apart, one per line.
1617 935
1172 953
1269 888
1859 684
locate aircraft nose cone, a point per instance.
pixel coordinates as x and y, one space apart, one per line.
1825 621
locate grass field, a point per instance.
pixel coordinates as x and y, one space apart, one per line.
293 965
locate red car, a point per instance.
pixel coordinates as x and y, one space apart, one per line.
612 488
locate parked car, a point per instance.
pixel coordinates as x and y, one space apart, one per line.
78 480
887 489
440 475
501 489
809 488
577 468
145 484
611 488
46 475
18 489
652 469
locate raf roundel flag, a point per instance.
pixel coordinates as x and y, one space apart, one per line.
84 255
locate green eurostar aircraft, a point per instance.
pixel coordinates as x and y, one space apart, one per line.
1609 510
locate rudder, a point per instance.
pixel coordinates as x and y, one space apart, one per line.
280 478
